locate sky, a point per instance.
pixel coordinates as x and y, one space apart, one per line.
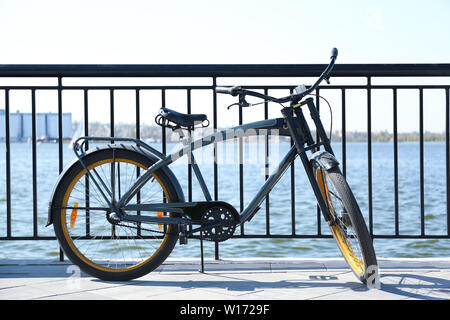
223 31
203 32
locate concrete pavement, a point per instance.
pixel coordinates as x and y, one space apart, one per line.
230 279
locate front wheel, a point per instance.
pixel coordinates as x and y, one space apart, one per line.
348 226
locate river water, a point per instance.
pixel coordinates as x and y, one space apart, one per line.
280 200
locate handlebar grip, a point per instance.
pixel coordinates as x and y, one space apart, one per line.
224 90
334 53
229 90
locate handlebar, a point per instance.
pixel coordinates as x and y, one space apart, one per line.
237 90
229 90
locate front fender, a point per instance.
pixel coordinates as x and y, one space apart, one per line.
151 157
324 159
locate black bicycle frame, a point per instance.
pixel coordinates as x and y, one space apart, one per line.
292 124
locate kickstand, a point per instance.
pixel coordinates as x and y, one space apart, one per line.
202 267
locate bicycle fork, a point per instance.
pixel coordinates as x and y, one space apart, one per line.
301 134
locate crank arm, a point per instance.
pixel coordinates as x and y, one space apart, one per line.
159 220
164 207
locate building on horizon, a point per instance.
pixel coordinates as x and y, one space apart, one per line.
20 126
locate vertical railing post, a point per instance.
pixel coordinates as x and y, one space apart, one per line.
369 151
86 133
292 189
216 187
138 113
60 141
266 163
189 111
318 211
422 179
241 171
8 166
138 136
447 154
113 164
60 130
111 113
396 209
163 129
34 165
344 138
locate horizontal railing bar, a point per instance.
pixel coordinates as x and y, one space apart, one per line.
393 236
20 238
384 87
255 87
107 87
222 70
270 236
377 236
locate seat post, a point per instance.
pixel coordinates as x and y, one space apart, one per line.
184 138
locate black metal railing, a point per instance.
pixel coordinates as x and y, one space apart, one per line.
216 73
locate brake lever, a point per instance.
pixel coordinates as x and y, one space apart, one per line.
234 104
242 102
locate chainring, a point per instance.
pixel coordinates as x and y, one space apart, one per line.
224 230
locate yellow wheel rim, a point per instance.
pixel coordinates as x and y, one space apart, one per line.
64 217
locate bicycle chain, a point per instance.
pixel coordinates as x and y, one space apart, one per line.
144 229
218 232
151 230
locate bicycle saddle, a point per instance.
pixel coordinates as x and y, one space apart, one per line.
182 119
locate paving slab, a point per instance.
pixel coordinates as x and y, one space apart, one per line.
230 279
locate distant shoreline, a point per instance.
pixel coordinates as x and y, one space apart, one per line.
154 133
351 137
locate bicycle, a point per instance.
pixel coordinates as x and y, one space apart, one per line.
133 206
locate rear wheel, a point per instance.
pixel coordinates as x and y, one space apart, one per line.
349 229
100 246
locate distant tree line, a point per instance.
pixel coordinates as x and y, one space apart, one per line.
154 133
385 136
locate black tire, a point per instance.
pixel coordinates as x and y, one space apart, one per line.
350 230
142 250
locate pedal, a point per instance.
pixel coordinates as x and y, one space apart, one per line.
182 236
